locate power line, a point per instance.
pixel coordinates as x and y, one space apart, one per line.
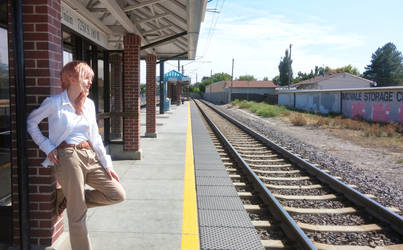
213 24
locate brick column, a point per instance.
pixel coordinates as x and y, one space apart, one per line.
43 62
150 96
131 92
178 93
116 94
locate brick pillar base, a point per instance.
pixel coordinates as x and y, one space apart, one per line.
150 97
131 106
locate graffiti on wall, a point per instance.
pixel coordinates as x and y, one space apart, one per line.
383 106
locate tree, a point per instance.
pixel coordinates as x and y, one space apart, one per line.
214 78
285 69
349 69
265 78
194 88
276 80
142 88
386 67
247 78
320 71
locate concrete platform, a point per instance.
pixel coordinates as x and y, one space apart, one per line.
163 210
151 217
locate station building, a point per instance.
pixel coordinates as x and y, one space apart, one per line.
226 91
37 37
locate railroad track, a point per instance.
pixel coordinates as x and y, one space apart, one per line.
294 204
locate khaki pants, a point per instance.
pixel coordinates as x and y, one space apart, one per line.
76 168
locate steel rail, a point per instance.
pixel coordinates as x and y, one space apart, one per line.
374 208
287 223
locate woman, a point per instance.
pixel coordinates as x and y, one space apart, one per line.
76 150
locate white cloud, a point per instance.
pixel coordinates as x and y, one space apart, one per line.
257 40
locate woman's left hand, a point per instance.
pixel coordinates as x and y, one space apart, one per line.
112 174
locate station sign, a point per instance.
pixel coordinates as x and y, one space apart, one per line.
83 26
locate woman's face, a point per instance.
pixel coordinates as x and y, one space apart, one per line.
86 84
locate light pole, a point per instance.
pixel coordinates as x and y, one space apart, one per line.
232 79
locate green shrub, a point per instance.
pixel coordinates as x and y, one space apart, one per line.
245 104
298 120
235 102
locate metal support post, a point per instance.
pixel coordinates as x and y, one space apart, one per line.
23 197
162 97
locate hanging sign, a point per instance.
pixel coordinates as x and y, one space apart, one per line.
83 26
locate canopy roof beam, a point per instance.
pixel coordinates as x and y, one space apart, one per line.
141 5
164 41
162 28
153 18
113 7
166 10
78 6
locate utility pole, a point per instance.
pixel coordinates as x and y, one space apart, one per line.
211 73
289 68
183 71
232 79
179 65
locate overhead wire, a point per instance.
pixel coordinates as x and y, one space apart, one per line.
213 24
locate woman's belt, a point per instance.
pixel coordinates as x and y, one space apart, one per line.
81 145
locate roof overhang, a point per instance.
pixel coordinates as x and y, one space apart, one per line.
168 28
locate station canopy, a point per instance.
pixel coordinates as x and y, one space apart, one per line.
168 28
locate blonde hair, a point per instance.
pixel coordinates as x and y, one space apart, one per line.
76 71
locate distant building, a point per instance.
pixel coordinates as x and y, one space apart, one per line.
334 81
223 91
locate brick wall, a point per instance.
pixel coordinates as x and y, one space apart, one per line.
150 94
131 79
43 62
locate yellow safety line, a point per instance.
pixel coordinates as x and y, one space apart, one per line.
190 228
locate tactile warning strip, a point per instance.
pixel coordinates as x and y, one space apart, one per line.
228 238
213 181
211 173
208 166
224 218
220 203
223 221
216 191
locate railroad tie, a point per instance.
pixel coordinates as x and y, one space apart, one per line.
259 155
323 246
245 194
252 208
307 197
336 228
264 161
270 166
273 244
277 172
344 210
315 186
261 223
299 178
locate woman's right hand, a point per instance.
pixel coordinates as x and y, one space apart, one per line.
52 156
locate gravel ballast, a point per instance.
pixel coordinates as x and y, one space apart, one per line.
387 193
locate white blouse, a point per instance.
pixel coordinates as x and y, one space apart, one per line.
80 130
60 113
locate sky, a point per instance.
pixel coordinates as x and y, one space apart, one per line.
256 34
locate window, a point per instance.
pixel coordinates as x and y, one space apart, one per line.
5 140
